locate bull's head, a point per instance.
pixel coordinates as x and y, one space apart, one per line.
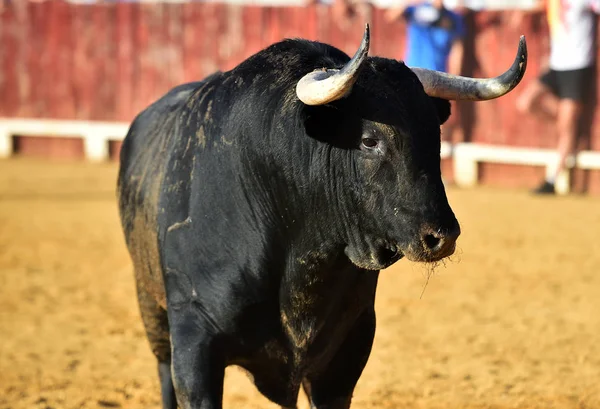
379 107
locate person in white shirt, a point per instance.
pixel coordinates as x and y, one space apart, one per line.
560 92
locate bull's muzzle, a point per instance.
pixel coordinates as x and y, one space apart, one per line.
436 243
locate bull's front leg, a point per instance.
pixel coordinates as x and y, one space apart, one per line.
197 362
197 366
332 387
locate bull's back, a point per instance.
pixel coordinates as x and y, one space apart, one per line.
144 154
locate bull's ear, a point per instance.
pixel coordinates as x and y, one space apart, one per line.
442 106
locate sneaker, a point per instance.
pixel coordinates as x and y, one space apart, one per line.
545 188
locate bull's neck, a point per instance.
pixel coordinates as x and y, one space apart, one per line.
297 189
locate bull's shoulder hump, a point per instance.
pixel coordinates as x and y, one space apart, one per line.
155 122
180 94
176 97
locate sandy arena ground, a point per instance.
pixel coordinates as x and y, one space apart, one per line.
512 322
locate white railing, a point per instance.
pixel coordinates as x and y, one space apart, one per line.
466 156
95 134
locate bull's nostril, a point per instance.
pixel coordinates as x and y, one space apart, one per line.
431 242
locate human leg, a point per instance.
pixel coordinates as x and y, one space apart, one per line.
569 111
539 98
572 88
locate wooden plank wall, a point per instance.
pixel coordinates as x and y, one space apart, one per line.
106 62
109 61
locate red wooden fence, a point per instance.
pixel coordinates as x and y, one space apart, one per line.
109 61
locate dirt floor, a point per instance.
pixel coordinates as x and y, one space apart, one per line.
513 321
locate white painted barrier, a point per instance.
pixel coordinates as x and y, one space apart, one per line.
446 150
95 134
466 156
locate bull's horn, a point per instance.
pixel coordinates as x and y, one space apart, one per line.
323 86
454 87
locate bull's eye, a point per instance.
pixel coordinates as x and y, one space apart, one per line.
370 143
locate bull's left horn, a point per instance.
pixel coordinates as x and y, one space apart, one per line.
455 87
323 86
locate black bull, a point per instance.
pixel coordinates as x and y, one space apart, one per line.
260 204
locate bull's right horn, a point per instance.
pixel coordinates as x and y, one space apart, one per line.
323 86
455 87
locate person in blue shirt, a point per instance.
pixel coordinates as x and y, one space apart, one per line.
434 40
434 35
